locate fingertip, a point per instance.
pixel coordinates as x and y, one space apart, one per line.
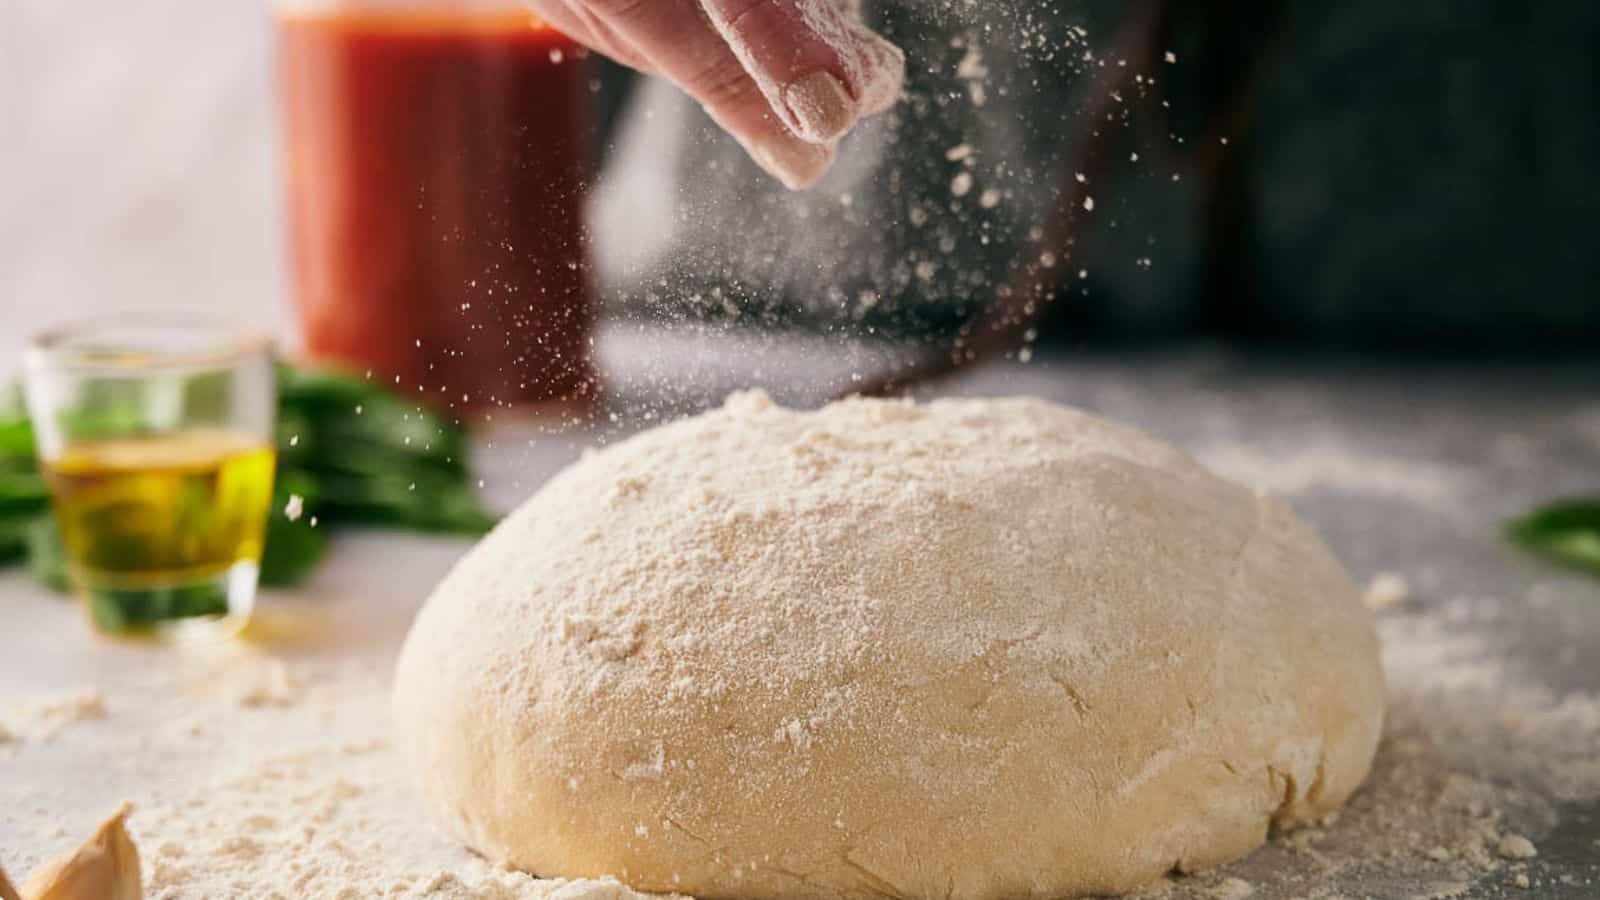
886 79
797 164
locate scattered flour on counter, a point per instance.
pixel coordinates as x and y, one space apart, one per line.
306 798
1473 763
1233 889
262 777
1386 591
271 683
319 821
45 718
1295 471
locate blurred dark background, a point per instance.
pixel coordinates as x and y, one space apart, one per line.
1407 177
1419 177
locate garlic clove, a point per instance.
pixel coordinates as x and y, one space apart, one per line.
8 891
105 868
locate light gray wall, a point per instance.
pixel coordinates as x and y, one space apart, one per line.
138 161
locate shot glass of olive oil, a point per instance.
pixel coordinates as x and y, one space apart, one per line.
155 435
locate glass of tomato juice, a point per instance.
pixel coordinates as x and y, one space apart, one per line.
437 158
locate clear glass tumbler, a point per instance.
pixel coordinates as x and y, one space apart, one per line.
155 433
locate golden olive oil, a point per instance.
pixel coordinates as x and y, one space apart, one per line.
154 525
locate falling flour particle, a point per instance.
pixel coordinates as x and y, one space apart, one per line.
972 70
958 153
293 509
1088 204
961 185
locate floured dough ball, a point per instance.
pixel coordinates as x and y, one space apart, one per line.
974 649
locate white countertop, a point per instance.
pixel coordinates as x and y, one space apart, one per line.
1406 470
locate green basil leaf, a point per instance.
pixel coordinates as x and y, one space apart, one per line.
416 500
292 550
14 539
16 443
1567 531
47 555
322 388
22 492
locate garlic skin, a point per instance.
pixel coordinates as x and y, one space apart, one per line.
105 868
8 891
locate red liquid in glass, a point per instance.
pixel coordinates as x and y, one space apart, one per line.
437 165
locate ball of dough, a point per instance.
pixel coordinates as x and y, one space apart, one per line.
972 649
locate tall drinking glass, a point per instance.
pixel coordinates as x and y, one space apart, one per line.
437 154
155 433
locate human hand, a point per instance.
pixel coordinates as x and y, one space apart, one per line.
787 78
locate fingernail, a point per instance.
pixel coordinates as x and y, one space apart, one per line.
794 162
821 107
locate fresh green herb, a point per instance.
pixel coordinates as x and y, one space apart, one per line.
24 500
13 540
1567 531
16 440
22 492
47 555
352 452
144 610
293 546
